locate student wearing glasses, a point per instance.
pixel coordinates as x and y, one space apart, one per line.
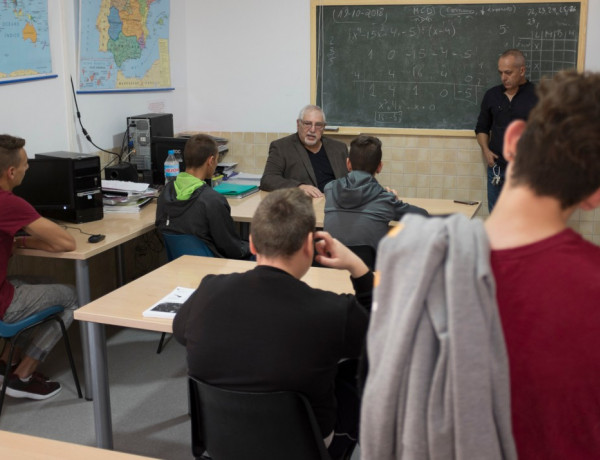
305 159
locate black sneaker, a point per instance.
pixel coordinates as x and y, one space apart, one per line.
35 388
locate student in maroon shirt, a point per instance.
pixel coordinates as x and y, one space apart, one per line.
19 298
547 275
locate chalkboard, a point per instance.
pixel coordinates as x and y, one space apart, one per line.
390 65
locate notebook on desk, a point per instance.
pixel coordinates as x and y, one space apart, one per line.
168 306
235 190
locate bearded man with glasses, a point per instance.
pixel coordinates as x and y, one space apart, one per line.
305 159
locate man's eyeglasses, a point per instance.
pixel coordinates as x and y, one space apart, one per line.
318 125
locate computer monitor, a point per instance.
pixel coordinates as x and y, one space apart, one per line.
160 150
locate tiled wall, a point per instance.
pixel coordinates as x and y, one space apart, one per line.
417 166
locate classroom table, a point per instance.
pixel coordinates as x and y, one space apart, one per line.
118 229
125 305
242 209
15 445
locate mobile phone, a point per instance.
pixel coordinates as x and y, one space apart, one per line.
470 203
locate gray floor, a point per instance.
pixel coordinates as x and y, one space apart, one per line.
148 398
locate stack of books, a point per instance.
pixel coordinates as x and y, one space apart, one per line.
125 197
226 169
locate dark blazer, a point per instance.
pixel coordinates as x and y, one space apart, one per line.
288 164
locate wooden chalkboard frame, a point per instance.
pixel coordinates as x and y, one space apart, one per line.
354 130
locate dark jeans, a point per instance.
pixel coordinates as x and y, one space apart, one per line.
493 190
348 411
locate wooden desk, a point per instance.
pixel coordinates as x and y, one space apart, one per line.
14 445
243 209
124 307
118 228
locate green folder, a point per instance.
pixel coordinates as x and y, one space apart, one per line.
235 190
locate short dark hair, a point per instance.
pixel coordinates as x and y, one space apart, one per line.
10 146
558 154
198 149
365 154
282 222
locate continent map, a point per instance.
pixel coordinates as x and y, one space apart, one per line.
24 40
124 45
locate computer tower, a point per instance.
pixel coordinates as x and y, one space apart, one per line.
140 131
64 186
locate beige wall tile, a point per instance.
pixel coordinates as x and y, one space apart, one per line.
417 166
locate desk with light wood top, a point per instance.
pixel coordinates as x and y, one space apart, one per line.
118 229
124 307
15 445
243 209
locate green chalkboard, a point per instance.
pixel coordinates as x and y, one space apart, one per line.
395 65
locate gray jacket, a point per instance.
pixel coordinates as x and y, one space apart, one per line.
288 164
358 210
438 383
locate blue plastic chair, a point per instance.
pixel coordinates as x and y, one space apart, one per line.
178 245
12 331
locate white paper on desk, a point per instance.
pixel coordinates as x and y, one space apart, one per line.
170 304
124 186
247 176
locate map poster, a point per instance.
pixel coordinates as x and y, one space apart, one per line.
124 45
24 41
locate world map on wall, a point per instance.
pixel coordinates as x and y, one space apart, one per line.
24 39
124 45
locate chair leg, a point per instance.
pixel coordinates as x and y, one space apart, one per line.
70 355
5 383
161 343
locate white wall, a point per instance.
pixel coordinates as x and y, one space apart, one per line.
249 64
235 65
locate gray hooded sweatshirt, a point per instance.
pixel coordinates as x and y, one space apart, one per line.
358 210
438 386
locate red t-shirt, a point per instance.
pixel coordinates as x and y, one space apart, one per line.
549 301
15 213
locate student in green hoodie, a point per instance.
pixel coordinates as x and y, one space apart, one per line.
189 206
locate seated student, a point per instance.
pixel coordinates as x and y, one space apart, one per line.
358 210
18 297
189 206
266 330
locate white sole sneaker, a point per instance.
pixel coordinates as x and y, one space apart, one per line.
30 393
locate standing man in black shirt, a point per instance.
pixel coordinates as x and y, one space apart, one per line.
305 159
511 100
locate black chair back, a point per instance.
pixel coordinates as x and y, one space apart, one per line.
232 425
366 253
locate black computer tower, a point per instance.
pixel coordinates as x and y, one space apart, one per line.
141 129
64 186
